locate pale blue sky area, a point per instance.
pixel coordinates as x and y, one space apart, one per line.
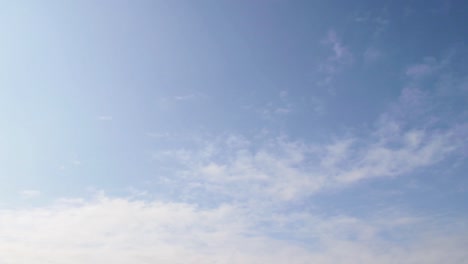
328 129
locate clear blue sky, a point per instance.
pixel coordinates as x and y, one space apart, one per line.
233 131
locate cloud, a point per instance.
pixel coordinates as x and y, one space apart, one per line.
420 70
282 170
417 150
406 138
124 231
339 51
248 217
429 66
335 62
275 169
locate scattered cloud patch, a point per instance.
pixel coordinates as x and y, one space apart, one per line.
334 63
429 66
421 70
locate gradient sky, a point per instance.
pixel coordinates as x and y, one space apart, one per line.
233 131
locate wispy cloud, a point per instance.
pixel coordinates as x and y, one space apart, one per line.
334 63
283 170
428 66
407 137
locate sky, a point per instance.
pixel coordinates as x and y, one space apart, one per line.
233 131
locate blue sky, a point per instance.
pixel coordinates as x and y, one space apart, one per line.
233 131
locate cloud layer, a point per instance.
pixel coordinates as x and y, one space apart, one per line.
124 231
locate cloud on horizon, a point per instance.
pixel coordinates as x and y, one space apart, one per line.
124 231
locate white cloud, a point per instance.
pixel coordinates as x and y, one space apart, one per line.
403 140
268 172
123 231
416 151
340 52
